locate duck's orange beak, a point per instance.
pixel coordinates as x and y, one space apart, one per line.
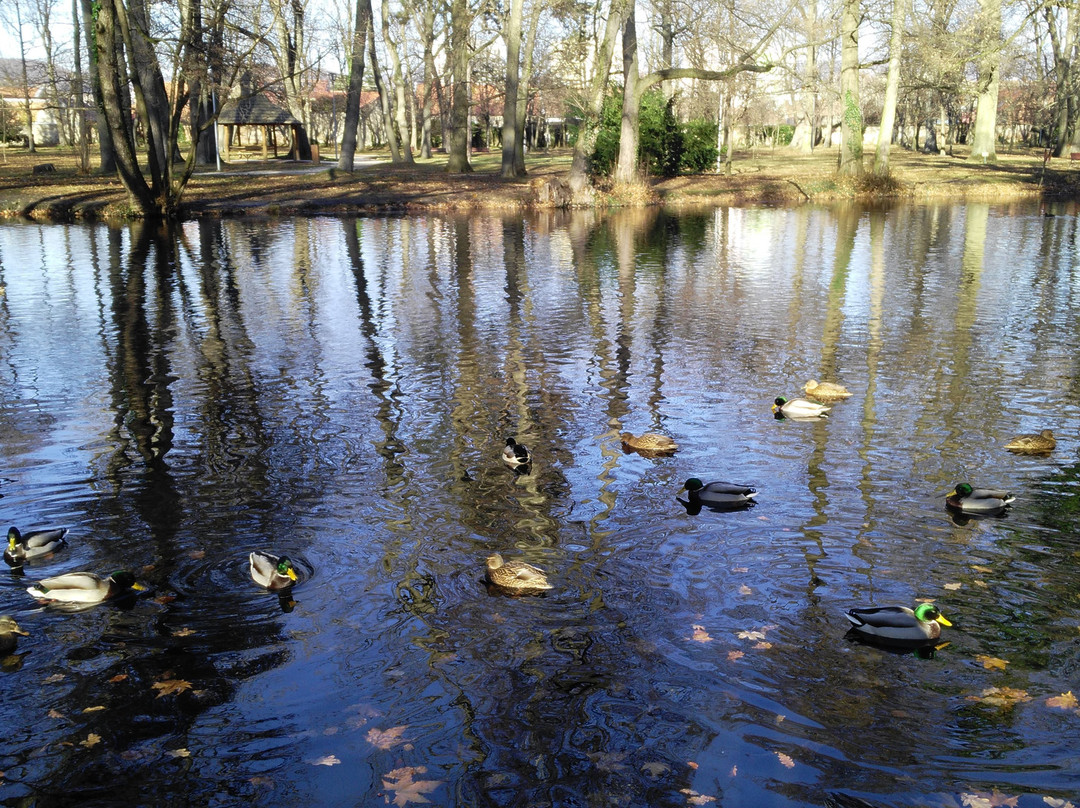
943 621
291 573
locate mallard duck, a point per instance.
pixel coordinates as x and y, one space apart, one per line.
649 443
978 500
514 454
515 576
799 408
85 587
898 624
9 634
32 544
272 571
825 391
719 494
1043 442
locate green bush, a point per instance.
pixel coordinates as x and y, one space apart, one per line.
699 146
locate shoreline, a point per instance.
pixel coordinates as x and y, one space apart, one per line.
289 188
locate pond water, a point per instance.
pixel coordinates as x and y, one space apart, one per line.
340 389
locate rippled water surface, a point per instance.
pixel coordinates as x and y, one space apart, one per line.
339 390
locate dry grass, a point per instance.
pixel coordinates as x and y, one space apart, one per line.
762 176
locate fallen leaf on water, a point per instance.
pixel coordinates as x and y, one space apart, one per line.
1053 802
183 632
655 769
740 569
991 662
170 686
92 740
980 568
982 800
1004 697
780 719
763 646
786 760
95 709
56 677
179 753
163 599
701 635
952 587
983 584
55 714
691 764
745 590
195 555
405 788
118 678
734 771
693 798
751 635
734 655
386 739
1066 701
325 760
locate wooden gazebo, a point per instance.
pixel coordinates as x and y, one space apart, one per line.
255 109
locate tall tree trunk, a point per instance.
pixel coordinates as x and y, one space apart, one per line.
984 139
629 126
458 137
401 103
510 131
31 147
427 34
892 88
290 54
522 110
78 94
851 136
106 151
361 32
385 102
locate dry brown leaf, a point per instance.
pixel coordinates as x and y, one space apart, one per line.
95 709
735 655
1003 697
952 587
991 662
780 719
1066 701
994 800
179 753
56 677
55 714
163 599
195 555
693 798
386 739
170 686
405 788
786 760
751 635
183 632
118 678
980 568
763 646
92 740
701 635
325 760
692 765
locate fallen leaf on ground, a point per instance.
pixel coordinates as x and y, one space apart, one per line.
170 686
92 740
386 739
325 760
786 760
991 662
693 798
405 788
701 635
1004 697
1066 701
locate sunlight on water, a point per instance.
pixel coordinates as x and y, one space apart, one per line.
340 390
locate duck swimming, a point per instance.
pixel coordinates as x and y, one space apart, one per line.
32 544
825 391
898 624
9 634
514 454
799 408
85 587
649 444
271 571
978 500
1033 444
718 494
516 576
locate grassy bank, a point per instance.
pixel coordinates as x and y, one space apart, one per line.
289 187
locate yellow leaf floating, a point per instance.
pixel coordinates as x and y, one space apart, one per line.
179 753
693 798
745 590
405 788
735 655
751 635
1066 701
992 663
786 760
952 587
386 739
171 686
1003 697
92 740
701 635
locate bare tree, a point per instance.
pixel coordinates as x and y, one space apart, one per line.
892 88
357 46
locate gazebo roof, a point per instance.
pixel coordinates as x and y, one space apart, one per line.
255 110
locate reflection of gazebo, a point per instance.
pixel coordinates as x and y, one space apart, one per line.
255 109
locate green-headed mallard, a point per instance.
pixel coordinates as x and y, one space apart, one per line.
825 391
9 634
516 576
272 571
1043 442
85 587
32 544
717 494
978 500
898 624
514 454
799 408
649 444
